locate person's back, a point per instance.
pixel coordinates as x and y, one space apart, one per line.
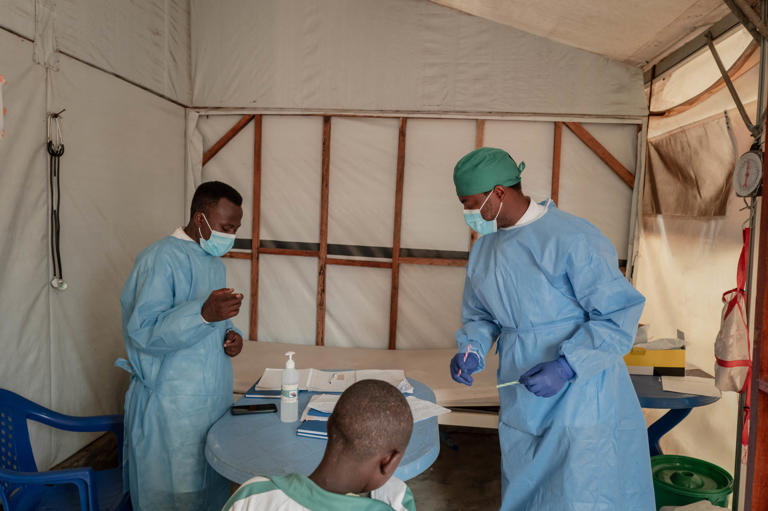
368 433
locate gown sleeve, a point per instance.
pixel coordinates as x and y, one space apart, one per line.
151 321
479 330
613 307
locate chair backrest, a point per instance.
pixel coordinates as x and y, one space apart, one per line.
15 447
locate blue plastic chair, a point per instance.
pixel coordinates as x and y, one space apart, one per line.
26 489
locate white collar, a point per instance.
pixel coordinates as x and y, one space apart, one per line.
179 233
533 213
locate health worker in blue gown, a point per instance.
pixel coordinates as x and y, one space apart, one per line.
179 340
546 288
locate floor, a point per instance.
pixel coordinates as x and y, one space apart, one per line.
465 476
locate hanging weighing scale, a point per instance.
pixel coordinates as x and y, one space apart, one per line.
748 174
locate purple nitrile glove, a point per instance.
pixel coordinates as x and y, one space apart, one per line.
467 367
546 379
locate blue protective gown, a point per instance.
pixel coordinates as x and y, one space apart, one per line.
545 289
181 379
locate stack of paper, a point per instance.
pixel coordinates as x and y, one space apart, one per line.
329 381
690 385
315 416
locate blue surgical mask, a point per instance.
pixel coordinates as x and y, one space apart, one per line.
477 223
219 243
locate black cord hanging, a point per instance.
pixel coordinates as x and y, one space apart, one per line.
55 147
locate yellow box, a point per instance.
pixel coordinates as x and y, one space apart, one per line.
664 362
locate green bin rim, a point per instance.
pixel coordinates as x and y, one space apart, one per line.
711 468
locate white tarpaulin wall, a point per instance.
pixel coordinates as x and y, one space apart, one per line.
683 266
122 181
393 55
363 158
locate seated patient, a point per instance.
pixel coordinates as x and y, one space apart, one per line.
368 432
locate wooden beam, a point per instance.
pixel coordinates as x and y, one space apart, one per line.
555 196
358 262
238 255
289 252
479 133
748 60
395 290
602 152
323 252
479 141
757 454
433 261
255 229
229 135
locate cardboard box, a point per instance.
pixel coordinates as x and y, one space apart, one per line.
657 362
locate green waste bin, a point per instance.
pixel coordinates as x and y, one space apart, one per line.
680 480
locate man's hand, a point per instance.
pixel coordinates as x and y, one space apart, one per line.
546 379
233 343
461 370
221 304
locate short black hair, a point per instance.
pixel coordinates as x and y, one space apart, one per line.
209 193
371 418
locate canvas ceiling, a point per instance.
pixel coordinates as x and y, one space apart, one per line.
632 31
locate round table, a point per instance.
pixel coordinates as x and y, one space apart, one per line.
651 395
240 447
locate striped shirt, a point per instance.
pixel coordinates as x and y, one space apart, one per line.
299 493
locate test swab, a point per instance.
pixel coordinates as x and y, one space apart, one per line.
507 384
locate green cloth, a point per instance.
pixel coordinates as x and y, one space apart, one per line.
484 168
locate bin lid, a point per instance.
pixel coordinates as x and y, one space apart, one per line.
690 476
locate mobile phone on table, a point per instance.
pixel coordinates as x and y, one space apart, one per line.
246 409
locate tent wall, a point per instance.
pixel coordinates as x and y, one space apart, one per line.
684 264
122 181
362 191
146 42
393 55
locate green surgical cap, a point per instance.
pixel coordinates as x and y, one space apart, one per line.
484 168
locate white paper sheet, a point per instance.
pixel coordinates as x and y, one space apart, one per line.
339 381
420 408
690 385
316 380
272 379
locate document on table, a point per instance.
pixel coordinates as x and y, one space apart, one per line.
690 385
272 379
421 409
338 381
316 380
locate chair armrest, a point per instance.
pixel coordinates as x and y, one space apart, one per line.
113 423
72 423
80 477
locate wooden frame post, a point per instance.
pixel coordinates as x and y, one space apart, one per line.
394 295
323 252
255 229
479 141
555 196
756 493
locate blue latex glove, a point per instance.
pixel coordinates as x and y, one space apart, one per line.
467 367
546 379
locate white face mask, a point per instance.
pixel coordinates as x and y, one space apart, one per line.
476 222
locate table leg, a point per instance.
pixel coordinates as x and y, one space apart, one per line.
662 426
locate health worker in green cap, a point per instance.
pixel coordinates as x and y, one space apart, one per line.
546 288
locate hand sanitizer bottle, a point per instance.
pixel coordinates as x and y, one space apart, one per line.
289 391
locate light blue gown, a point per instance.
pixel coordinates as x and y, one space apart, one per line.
181 379
545 289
